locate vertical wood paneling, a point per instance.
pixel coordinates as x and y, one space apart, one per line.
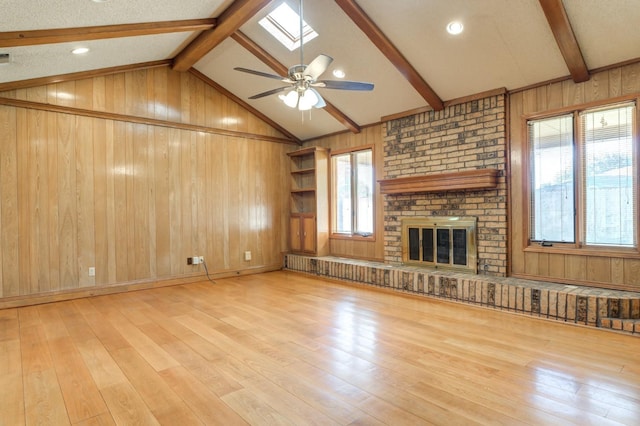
570 267
615 82
85 199
576 266
101 233
160 99
24 209
556 266
120 198
632 272
224 206
617 270
99 94
38 153
162 194
9 234
151 203
67 225
187 182
531 263
543 264
517 181
141 214
52 202
175 201
132 200
110 168
598 269
597 88
202 188
217 174
630 79
129 188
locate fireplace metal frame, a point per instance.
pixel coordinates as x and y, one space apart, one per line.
449 224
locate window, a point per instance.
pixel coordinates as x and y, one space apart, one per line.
284 24
582 171
352 193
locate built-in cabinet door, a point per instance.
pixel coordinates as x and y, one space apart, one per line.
303 233
295 225
309 234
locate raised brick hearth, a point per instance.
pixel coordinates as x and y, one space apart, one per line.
594 307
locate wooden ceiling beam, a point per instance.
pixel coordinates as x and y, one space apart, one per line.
561 27
282 70
228 22
64 35
377 37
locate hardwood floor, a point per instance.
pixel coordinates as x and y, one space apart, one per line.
285 348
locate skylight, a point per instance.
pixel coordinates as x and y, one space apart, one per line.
284 24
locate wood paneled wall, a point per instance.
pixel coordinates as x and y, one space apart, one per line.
134 200
615 270
353 247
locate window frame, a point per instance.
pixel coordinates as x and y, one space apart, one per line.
579 247
332 195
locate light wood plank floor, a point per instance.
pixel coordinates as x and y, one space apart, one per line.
285 348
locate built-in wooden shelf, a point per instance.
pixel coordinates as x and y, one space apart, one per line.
455 181
303 171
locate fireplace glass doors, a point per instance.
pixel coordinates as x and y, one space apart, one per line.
445 242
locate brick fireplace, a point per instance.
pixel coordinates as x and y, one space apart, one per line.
462 143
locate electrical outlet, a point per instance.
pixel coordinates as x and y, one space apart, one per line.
92 271
201 259
196 260
247 255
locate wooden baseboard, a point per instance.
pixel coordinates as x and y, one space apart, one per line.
58 296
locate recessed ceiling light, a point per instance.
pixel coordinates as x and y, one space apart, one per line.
80 50
338 73
99 1
455 27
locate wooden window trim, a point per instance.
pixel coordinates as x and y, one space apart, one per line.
351 237
578 248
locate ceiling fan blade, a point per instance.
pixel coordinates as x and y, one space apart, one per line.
321 103
318 66
343 85
263 74
269 92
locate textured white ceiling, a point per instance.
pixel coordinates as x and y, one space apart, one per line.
606 30
506 43
43 60
22 15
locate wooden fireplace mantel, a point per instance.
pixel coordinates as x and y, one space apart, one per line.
455 181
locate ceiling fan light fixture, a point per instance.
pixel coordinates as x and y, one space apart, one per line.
290 99
308 100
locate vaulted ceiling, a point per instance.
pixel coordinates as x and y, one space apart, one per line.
401 46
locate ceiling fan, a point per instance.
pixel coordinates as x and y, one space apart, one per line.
303 79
